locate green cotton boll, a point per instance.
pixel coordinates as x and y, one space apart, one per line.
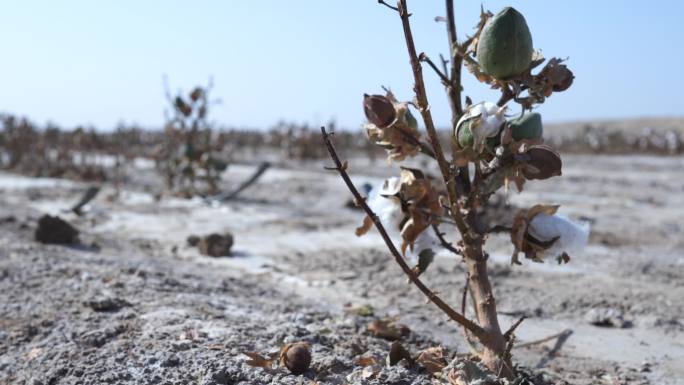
505 47
465 135
410 120
528 126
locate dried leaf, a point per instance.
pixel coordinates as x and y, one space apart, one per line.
388 329
563 258
365 361
363 310
541 162
379 110
464 156
257 360
521 238
400 137
367 224
370 372
397 353
433 359
425 258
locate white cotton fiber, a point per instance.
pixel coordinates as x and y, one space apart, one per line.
573 236
388 209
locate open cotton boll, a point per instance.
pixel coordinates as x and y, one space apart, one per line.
573 236
388 209
491 118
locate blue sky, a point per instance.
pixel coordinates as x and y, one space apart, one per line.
101 62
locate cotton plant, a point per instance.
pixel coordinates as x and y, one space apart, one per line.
495 146
190 153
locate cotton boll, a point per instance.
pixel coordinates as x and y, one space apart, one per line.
479 122
388 209
493 118
426 240
573 236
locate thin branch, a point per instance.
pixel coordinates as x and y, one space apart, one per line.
454 86
388 6
511 330
250 181
445 244
424 58
424 108
444 63
564 333
464 299
455 91
453 314
506 95
499 229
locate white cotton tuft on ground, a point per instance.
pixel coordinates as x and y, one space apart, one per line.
388 209
573 236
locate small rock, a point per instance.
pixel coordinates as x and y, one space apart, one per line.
8 219
216 245
55 230
193 240
606 317
170 361
106 304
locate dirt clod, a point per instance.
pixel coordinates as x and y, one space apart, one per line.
106 304
216 245
193 240
55 230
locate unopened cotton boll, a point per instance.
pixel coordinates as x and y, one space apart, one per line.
573 236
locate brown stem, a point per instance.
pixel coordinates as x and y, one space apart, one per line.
433 138
454 91
432 296
494 346
464 300
454 87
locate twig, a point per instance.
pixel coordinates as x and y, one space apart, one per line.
433 137
506 95
454 86
388 6
257 174
499 229
464 299
444 63
89 195
455 90
445 244
566 332
511 330
453 314
445 80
